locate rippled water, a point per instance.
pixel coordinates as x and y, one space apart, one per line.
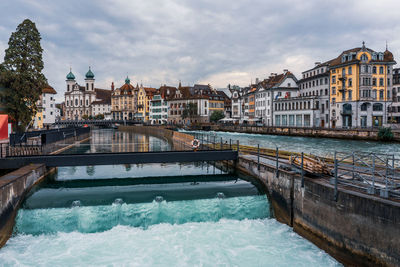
316 146
127 216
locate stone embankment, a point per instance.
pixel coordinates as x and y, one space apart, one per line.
358 229
355 134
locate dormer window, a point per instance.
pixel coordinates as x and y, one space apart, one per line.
344 58
380 56
364 58
374 56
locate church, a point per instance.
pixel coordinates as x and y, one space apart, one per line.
81 101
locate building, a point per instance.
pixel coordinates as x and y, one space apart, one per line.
314 87
145 94
361 88
79 99
394 108
101 107
237 103
46 108
158 110
124 101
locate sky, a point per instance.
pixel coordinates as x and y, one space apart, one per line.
217 42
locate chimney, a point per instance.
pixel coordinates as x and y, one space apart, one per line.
112 86
285 71
317 63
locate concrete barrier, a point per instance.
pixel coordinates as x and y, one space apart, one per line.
13 187
358 229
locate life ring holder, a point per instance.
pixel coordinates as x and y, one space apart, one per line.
195 144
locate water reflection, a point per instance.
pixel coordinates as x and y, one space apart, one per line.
113 141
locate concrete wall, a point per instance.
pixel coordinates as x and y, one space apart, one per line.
179 140
358 229
360 134
13 187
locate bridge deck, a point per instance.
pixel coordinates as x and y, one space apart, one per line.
61 160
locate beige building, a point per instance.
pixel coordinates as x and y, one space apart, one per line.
124 101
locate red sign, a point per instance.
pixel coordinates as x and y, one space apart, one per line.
3 127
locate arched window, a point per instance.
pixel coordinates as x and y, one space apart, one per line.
381 70
374 69
76 102
377 107
364 58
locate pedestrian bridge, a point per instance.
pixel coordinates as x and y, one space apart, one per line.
89 159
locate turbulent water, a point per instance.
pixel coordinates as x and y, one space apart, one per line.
316 146
151 215
209 232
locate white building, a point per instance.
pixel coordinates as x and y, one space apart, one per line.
79 99
158 110
46 113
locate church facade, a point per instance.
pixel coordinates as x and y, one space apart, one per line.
80 100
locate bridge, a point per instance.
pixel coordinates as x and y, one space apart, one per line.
90 159
107 123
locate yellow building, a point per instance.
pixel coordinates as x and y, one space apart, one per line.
145 94
123 101
360 87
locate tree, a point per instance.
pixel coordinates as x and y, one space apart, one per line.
217 115
21 73
190 111
99 117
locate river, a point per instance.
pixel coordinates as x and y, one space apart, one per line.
151 215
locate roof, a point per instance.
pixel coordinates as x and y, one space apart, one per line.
89 74
49 90
103 96
387 56
70 75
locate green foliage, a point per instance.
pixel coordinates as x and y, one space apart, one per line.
217 115
190 111
385 134
85 117
99 117
21 73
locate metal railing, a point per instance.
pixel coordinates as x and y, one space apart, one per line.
374 173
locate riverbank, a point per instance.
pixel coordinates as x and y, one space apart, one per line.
357 229
351 134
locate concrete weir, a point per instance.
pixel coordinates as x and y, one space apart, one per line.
13 188
358 229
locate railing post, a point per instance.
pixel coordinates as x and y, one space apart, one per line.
353 164
336 178
214 142
258 156
302 169
371 190
221 144
230 144
277 163
385 192
238 145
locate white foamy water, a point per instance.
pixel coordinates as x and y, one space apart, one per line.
263 242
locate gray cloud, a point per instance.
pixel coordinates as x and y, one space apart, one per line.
216 42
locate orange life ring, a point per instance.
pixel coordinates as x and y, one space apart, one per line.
195 143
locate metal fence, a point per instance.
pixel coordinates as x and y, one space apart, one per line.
373 173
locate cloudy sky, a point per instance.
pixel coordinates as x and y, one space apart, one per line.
212 41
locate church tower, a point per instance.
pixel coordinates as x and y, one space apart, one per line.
70 81
89 81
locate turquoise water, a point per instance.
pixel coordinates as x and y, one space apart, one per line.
151 215
316 146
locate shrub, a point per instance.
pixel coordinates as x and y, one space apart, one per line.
385 134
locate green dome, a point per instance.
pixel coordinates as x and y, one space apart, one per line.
89 74
127 81
70 76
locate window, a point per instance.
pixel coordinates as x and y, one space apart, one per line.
68 87
377 107
350 82
350 70
380 81
350 94
333 90
381 70
343 71
67 103
333 79
364 107
374 69
364 58
76 102
373 81
388 81
380 94
333 100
